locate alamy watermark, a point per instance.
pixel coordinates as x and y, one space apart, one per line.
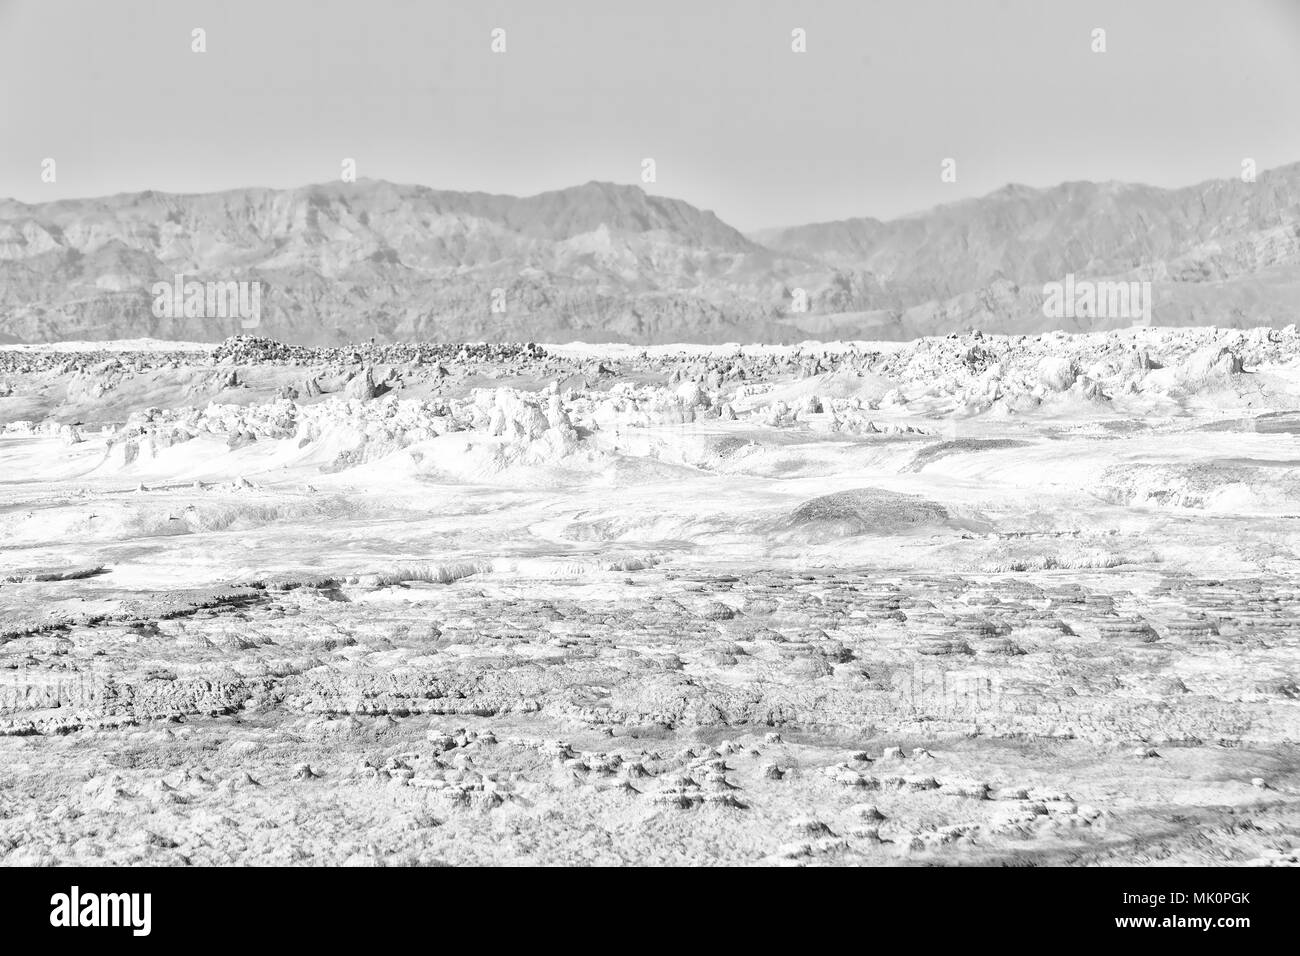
75 908
941 691
226 299
1086 299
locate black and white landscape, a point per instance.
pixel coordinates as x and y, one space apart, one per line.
366 523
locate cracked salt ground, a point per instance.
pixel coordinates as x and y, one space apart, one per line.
299 705
978 599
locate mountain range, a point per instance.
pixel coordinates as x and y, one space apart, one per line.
343 262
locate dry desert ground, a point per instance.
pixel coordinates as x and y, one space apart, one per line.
975 599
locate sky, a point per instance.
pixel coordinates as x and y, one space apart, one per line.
734 119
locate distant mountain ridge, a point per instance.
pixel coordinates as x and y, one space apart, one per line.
603 262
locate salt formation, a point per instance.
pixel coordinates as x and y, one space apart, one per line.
957 599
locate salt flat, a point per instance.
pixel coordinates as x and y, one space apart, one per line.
958 600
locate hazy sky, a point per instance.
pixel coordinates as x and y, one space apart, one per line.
710 89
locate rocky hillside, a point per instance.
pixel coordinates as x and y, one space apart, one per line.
600 262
